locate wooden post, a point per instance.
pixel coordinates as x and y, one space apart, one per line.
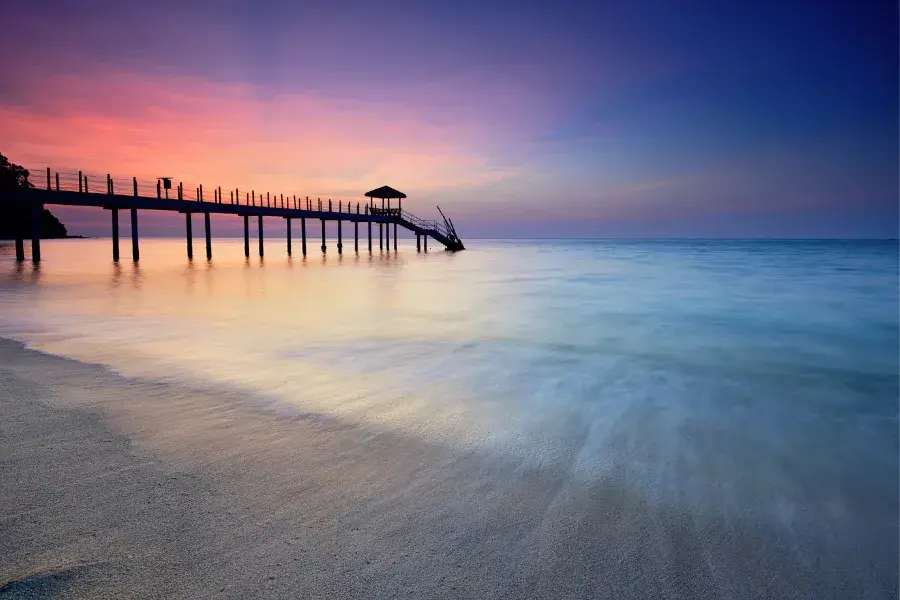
268 200
237 196
395 237
36 209
135 251
425 242
19 227
323 236
199 193
158 189
418 243
381 237
189 229
295 202
108 184
289 235
303 233
79 182
370 236
340 238
356 231
57 182
246 236
180 191
253 197
115 233
208 236
134 183
260 227
387 236
282 199
49 188
220 194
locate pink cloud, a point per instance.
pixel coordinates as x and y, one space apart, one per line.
229 134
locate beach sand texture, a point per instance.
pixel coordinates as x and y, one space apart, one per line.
123 488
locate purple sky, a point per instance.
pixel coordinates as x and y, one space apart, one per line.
637 119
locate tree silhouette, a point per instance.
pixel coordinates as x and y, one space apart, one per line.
12 176
13 220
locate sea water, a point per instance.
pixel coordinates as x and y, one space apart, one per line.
753 380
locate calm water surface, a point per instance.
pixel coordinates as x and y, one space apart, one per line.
752 380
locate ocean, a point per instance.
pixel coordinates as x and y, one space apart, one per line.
748 384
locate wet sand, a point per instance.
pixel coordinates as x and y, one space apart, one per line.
124 488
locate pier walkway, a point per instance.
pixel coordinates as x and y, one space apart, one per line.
75 189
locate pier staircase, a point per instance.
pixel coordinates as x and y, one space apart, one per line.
444 232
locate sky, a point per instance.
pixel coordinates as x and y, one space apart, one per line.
520 119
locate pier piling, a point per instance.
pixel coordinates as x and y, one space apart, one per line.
115 233
208 235
19 216
418 242
189 234
36 231
289 235
303 234
323 236
260 227
135 250
246 236
395 237
340 238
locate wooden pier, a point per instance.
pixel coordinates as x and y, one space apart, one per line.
71 189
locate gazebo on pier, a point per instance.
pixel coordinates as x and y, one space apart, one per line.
386 193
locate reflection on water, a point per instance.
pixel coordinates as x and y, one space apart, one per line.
745 378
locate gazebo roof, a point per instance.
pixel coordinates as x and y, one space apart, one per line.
385 192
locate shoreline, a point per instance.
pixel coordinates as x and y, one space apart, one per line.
128 487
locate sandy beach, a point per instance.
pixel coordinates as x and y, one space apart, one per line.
123 488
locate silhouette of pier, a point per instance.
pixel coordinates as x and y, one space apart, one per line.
77 189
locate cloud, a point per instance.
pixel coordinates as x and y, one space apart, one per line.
198 130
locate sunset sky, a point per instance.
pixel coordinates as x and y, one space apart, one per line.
635 119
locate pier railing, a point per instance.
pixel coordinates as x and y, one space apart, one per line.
96 183
424 224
